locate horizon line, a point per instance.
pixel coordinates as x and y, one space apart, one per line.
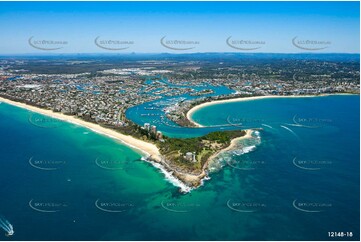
172 53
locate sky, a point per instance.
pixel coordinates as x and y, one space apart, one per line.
179 27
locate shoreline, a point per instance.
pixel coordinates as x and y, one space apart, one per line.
185 181
194 109
151 151
232 145
234 141
153 155
198 179
140 145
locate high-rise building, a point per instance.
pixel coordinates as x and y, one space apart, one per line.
153 129
147 126
194 157
189 156
159 135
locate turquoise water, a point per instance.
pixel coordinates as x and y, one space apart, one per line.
297 180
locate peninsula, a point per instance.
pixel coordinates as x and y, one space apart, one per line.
139 99
185 159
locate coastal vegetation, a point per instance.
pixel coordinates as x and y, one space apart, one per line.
174 149
97 91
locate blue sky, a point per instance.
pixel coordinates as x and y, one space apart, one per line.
209 24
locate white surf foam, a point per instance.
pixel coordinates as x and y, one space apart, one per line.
169 176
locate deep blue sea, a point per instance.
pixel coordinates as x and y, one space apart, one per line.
296 179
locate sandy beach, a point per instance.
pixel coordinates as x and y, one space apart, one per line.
150 149
239 99
144 147
197 180
236 140
181 180
230 147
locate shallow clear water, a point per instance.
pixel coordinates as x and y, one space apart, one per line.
297 184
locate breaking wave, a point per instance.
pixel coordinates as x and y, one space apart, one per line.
169 176
243 147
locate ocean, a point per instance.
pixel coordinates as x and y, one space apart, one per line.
296 179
